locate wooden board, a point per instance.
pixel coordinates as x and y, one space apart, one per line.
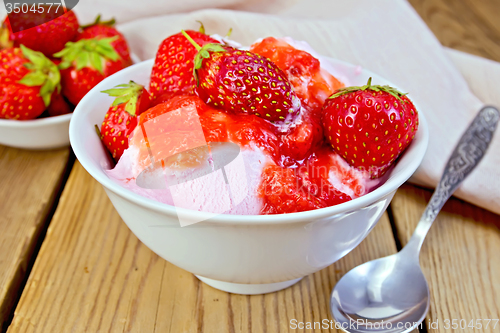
471 26
29 185
459 258
93 275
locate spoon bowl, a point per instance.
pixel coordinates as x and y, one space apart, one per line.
371 296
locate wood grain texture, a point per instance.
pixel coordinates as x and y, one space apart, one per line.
29 181
93 275
471 26
459 257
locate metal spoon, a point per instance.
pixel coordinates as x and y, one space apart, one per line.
391 294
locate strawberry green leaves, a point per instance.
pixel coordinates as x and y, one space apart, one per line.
368 86
43 72
126 93
203 53
98 21
88 53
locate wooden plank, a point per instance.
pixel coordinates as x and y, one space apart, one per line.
469 25
459 258
29 182
93 275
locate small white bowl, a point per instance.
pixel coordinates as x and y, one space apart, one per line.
45 133
244 254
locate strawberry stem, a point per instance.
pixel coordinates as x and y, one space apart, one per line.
191 40
128 94
98 131
89 53
203 53
388 89
98 21
108 153
202 27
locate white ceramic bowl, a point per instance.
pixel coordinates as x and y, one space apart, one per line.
240 254
45 133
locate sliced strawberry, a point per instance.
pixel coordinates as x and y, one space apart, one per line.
27 81
301 141
242 82
369 126
314 175
121 119
283 193
307 187
173 68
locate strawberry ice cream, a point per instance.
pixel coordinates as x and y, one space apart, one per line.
279 167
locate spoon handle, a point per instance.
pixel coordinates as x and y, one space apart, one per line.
466 155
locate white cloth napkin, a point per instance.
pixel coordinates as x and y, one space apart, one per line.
385 36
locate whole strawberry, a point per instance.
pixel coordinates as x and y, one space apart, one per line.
43 30
369 126
173 68
121 119
87 62
106 29
27 81
242 82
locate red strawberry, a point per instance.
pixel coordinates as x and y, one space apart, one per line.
58 105
121 119
106 29
307 187
173 68
282 192
27 81
243 82
85 63
314 177
50 37
369 126
300 141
